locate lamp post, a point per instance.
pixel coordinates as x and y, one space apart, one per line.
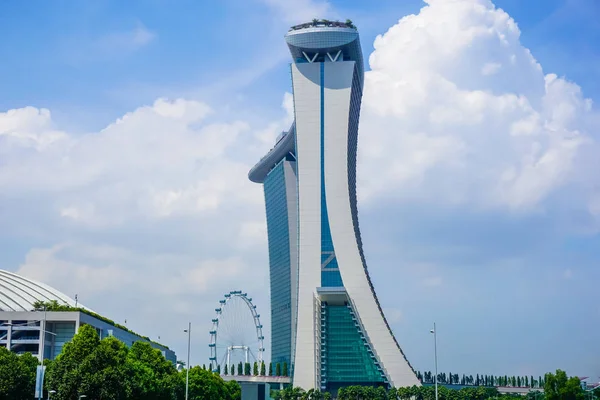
434 331
50 392
187 370
82 396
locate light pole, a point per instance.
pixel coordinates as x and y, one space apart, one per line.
82 396
187 370
50 392
434 331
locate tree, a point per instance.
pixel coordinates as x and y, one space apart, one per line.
270 369
240 369
17 375
559 387
226 371
63 375
247 369
262 368
255 369
205 385
152 376
277 369
285 369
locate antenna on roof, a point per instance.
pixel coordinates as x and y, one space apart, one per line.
75 300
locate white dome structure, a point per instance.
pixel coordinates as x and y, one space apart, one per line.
18 293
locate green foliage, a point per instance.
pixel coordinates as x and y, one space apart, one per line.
277 369
152 376
285 369
17 375
240 369
65 374
262 368
247 369
292 393
270 369
226 371
106 369
206 385
234 389
255 369
559 387
416 392
480 380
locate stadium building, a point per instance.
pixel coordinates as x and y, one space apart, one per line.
327 322
44 333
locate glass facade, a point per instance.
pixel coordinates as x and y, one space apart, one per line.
347 358
279 263
63 332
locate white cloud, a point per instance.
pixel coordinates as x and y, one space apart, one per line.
490 68
27 126
457 111
156 161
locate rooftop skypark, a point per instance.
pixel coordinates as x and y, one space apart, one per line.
324 23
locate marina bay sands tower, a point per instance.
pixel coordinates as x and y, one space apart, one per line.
326 321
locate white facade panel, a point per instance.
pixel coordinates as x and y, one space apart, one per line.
338 82
307 100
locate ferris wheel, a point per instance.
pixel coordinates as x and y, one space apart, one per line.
236 334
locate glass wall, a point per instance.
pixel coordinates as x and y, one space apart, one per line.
61 333
347 359
279 264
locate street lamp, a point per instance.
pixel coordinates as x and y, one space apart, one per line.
50 392
434 331
82 396
187 370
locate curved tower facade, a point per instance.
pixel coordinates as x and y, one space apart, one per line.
327 323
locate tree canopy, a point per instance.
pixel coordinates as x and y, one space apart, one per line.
17 375
107 369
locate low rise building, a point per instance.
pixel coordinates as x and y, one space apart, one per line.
24 327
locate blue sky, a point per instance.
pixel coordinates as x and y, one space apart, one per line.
155 211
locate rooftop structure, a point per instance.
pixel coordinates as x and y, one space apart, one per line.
18 293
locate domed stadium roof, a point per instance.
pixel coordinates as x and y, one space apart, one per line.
18 293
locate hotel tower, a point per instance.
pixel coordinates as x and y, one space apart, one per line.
326 321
